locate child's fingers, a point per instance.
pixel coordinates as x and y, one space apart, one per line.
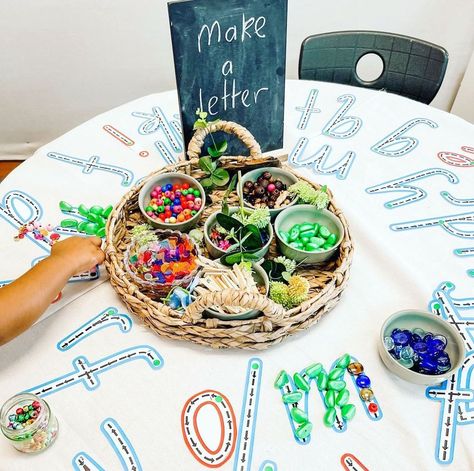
96 241
100 256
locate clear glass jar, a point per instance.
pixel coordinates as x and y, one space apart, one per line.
32 437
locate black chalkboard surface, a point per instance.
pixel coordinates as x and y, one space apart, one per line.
229 58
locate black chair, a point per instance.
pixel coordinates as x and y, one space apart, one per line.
411 67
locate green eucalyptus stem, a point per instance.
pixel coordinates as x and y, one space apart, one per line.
241 196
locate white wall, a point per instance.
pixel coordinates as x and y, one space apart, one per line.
464 103
64 61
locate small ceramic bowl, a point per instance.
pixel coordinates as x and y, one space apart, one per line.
307 213
411 319
286 177
216 252
163 179
261 278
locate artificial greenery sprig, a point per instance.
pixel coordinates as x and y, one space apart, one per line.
215 176
308 194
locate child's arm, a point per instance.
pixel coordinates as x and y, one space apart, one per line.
26 298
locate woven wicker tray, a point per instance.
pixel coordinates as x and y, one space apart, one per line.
276 323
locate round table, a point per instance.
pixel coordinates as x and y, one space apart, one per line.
128 399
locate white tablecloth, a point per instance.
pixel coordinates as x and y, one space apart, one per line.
401 172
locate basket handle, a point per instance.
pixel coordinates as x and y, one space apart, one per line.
233 297
197 141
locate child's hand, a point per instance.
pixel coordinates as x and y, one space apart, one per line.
78 254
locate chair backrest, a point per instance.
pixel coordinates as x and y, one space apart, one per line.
411 67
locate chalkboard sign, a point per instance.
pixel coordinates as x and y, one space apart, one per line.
229 58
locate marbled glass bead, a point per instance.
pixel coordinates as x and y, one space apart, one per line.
298 415
407 363
407 353
419 331
329 417
355 368
389 343
363 381
348 411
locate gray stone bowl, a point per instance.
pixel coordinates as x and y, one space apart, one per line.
216 252
173 178
410 319
286 177
307 213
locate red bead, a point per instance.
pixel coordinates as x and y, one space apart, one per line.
175 187
185 186
54 236
19 411
36 404
373 407
168 214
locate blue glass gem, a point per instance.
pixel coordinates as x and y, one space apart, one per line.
428 336
389 343
400 338
407 353
435 345
396 351
177 201
363 381
428 366
420 347
408 334
415 338
395 331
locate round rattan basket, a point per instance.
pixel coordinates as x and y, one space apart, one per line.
326 283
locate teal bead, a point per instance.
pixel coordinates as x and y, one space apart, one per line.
81 227
330 398
72 223
63 206
337 385
83 211
310 247
324 232
101 232
309 234
292 397
298 415
348 411
296 245
329 417
106 212
91 228
300 382
342 397
344 361
293 234
319 241
332 239
322 381
283 236
281 379
313 370
96 210
336 373
306 226
94 218
304 430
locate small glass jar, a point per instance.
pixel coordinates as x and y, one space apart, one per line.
34 434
